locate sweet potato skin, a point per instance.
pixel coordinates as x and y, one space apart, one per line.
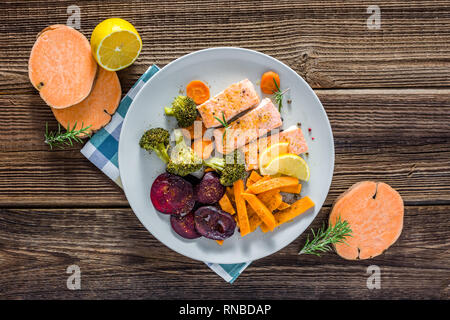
374 211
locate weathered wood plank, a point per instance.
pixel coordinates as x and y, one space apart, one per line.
329 44
120 259
401 137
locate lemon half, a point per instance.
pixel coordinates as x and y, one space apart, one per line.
115 44
290 165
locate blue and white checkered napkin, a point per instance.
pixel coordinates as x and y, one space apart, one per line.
102 150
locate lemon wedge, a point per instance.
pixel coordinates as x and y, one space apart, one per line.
290 165
115 44
271 153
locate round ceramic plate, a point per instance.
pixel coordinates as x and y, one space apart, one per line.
220 67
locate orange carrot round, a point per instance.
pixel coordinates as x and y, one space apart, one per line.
268 82
197 91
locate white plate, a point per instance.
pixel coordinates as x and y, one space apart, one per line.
220 67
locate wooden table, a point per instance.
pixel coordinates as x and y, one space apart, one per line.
387 95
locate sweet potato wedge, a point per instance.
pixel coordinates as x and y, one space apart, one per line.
241 208
61 66
374 212
273 183
226 205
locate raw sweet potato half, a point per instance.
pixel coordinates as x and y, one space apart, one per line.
374 212
96 110
61 66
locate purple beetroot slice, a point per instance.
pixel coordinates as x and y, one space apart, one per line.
184 226
214 223
172 194
209 190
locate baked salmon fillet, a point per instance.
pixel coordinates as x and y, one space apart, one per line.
247 128
294 136
233 100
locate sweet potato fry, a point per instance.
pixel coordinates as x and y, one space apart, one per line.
271 199
264 214
241 208
292 189
226 205
273 183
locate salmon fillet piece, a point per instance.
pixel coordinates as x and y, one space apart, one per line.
233 100
249 127
294 135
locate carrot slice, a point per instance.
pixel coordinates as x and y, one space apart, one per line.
283 205
203 148
226 205
220 242
254 176
61 66
271 199
198 91
273 183
374 211
241 208
292 189
268 82
263 212
97 108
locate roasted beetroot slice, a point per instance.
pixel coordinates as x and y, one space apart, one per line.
184 226
213 223
172 194
209 190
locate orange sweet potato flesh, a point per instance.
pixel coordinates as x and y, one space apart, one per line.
61 66
225 204
273 183
241 207
374 212
97 108
263 212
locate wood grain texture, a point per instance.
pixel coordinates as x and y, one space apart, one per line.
328 43
401 137
118 258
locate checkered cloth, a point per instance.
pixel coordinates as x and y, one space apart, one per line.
102 150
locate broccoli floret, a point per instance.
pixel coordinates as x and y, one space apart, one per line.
183 160
184 110
231 168
157 140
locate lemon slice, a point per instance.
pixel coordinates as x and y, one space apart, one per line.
271 153
290 165
115 44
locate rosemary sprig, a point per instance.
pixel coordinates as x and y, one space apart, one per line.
60 139
324 238
224 123
278 95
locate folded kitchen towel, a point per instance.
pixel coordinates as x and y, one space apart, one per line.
102 150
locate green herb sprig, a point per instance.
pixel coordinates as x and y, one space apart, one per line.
224 123
278 95
325 237
60 139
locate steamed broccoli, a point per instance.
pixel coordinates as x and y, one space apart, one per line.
231 168
184 110
157 140
183 160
